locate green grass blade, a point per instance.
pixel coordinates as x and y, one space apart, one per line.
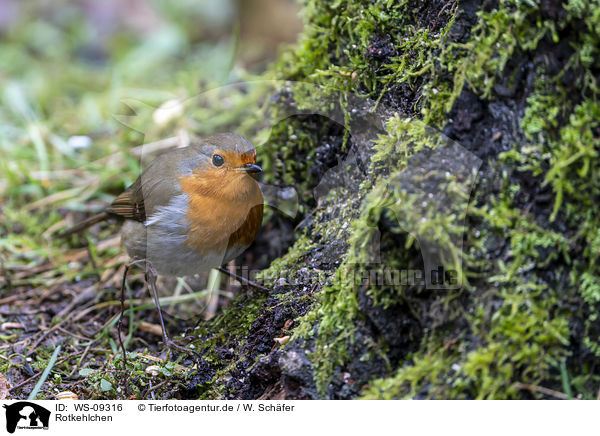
45 374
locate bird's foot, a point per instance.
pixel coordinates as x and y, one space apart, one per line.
243 281
174 347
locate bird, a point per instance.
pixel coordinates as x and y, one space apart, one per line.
192 209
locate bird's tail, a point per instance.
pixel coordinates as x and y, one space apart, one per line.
84 224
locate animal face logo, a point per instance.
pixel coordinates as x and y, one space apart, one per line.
26 415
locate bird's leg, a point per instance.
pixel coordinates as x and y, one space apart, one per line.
150 279
242 280
171 345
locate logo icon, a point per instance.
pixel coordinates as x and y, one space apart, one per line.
26 415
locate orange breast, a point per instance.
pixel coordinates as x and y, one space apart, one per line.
249 229
219 220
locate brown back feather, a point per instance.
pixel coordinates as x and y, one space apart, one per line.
130 204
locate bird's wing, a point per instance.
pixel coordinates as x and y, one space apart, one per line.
155 187
130 204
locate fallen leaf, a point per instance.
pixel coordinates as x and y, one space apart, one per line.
151 328
176 366
66 395
282 340
12 325
4 387
153 370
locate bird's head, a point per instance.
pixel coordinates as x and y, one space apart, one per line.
226 169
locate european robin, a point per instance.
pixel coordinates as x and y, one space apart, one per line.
192 208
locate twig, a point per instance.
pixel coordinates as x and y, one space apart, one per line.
34 271
44 335
139 304
85 352
159 385
75 335
444 7
542 390
84 296
152 147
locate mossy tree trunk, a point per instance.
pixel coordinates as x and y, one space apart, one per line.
516 86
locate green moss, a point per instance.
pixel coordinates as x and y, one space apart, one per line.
428 368
564 143
499 34
351 33
281 267
336 311
229 327
290 149
361 49
526 340
509 327
522 341
336 315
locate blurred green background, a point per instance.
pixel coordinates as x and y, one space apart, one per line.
80 85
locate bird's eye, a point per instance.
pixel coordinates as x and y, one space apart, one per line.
218 160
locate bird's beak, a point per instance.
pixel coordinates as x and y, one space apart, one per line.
250 168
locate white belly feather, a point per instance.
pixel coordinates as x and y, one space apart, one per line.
161 240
